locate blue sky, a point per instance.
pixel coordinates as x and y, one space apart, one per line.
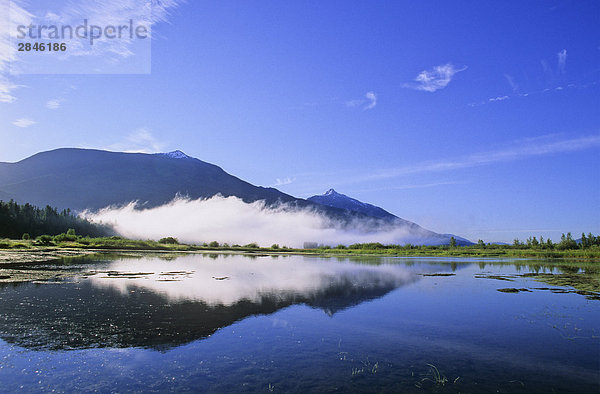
479 118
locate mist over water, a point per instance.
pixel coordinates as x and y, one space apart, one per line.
231 220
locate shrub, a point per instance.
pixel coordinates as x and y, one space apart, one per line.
26 237
275 246
65 237
213 244
168 240
45 240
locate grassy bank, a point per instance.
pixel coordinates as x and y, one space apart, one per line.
66 241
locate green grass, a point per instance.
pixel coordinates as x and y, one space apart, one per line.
468 251
170 244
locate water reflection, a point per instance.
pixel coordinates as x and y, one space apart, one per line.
228 281
151 302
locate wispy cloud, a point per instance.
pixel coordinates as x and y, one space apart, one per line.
411 186
562 61
354 103
13 15
111 13
534 93
434 79
6 89
512 83
54 103
533 148
107 12
140 141
372 100
24 122
283 181
499 98
369 102
552 77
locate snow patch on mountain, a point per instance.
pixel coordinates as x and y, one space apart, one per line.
176 154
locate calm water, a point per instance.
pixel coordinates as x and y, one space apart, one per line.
225 323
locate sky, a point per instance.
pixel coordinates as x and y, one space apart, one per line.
478 118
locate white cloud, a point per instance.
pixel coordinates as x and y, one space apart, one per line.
535 93
110 13
54 104
562 61
435 79
372 100
23 122
283 181
15 15
369 102
6 88
140 141
106 12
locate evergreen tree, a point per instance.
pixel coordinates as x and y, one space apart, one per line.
17 220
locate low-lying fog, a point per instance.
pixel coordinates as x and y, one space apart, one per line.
231 220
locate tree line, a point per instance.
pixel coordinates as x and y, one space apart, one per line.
566 242
26 220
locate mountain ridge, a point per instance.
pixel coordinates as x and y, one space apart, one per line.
91 179
334 199
117 178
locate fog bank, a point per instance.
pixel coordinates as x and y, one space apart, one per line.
231 220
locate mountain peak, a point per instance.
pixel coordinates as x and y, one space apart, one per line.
176 154
334 199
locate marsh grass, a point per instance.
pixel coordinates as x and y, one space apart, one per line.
587 282
434 379
437 377
591 254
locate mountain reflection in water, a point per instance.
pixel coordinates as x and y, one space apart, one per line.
155 303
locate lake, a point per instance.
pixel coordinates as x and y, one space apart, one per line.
236 323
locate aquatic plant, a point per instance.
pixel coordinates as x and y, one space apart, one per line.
436 378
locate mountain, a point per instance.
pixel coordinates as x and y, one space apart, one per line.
334 199
82 179
92 179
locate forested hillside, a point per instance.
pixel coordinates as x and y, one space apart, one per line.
17 220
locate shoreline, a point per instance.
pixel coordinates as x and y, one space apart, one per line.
43 254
